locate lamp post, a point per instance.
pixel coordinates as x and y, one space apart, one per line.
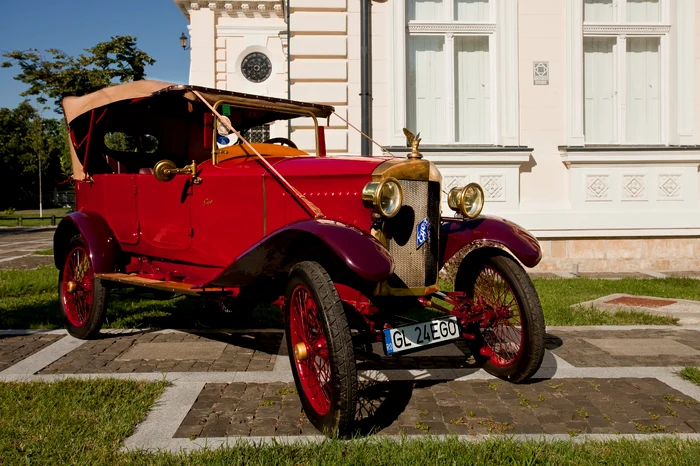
366 72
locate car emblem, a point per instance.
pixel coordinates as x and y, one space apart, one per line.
423 233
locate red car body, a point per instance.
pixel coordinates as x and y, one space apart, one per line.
252 220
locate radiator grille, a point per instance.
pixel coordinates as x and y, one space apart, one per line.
415 266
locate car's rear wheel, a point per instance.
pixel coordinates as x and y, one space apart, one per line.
81 296
511 346
320 349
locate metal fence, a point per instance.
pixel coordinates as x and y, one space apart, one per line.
20 220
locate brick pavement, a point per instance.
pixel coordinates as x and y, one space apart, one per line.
240 352
578 347
14 348
17 246
562 406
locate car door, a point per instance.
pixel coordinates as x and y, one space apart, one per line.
120 206
164 214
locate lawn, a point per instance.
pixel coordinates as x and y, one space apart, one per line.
47 214
86 422
28 299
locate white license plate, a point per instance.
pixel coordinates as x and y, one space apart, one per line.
411 337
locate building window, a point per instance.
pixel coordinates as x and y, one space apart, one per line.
450 71
624 43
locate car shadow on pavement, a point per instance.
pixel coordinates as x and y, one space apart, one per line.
380 403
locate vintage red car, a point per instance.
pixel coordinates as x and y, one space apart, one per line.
172 196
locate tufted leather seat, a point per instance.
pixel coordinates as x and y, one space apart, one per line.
145 171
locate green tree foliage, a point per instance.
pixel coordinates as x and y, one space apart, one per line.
56 75
24 137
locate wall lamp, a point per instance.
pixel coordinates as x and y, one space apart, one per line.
184 42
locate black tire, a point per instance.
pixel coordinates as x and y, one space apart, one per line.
90 326
338 420
528 360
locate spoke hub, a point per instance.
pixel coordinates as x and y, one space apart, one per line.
71 287
301 352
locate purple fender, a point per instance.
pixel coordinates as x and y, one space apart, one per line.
103 246
456 234
364 255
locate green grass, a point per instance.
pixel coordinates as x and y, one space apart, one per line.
47 213
71 421
44 252
692 374
28 299
376 452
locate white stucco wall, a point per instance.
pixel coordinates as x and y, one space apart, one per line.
547 189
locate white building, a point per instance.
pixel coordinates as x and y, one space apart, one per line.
578 117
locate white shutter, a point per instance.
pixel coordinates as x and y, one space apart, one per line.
643 118
643 11
472 90
471 10
599 89
599 11
425 10
426 88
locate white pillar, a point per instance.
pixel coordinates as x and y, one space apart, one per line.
203 53
574 72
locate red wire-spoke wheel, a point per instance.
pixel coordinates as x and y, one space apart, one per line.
81 296
320 349
510 340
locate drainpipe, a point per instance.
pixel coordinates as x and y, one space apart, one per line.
366 74
289 67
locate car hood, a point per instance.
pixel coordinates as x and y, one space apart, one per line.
327 166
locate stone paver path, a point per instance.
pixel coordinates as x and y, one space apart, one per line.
14 348
18 245
230 386
172 352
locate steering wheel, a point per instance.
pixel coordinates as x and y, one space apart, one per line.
284 141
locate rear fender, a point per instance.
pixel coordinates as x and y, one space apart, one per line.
101 242
457 234
361 253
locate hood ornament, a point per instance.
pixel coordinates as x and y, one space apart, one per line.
413 141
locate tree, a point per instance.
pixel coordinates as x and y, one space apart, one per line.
24 137
60 75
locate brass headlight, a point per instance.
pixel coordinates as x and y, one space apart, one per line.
385 196
467 201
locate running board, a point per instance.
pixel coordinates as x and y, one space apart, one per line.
135 280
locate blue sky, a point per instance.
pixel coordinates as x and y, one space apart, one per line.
73 25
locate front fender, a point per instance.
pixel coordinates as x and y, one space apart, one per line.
101 242
364 255
455 234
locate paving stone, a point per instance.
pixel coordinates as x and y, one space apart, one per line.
236 409
576 348
172 352
14 348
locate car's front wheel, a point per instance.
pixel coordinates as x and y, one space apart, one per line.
511 344
320 349
81 296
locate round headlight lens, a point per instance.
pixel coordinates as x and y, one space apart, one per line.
385 196
390 198
468 201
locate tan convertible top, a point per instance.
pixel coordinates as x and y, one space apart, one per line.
73 107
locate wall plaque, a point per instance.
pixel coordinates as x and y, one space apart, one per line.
540 73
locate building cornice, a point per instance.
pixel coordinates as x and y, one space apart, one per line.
233 7
626 29
415 27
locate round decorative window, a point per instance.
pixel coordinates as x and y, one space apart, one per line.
256 67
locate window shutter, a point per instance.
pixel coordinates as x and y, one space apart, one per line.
599 89
472 90
426 88
643 90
